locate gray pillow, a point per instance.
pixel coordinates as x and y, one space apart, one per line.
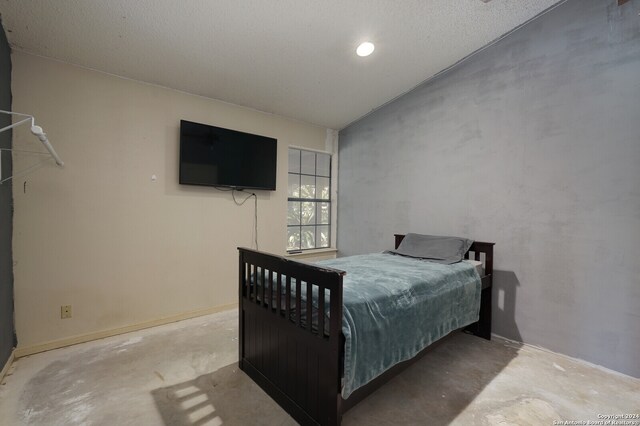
445 250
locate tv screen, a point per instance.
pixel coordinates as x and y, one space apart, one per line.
214 156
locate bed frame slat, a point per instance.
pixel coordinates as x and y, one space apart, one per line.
279 294
262 287
270 296
309 296
253 277
321 311
298 302
288 298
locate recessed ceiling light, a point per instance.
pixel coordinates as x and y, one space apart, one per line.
365 49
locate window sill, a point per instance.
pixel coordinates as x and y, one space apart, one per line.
313 252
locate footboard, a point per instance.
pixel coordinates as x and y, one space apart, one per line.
285 344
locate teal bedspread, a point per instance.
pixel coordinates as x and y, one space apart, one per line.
395 306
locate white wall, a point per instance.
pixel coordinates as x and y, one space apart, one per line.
99 234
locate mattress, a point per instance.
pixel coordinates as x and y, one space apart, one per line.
395 306
477 264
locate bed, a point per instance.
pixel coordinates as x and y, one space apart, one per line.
294 346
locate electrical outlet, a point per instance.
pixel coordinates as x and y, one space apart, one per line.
65 311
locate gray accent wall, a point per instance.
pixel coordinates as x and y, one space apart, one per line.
532 143
7 339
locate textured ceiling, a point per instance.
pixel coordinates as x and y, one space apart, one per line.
294 58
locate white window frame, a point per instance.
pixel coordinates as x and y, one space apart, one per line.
331 145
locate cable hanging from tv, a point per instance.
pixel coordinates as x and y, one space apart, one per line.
37 132
241 202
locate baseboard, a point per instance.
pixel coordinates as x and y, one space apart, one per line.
74 340
7 365
568 357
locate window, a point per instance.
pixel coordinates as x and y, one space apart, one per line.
309 210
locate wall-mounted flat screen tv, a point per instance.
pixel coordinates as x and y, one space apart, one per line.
213 156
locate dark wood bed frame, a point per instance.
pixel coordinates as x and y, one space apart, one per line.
287 356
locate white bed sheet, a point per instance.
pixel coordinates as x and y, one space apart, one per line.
477 264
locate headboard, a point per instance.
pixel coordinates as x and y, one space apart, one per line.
478 248
482 252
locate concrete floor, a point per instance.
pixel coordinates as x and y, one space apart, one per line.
185 374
